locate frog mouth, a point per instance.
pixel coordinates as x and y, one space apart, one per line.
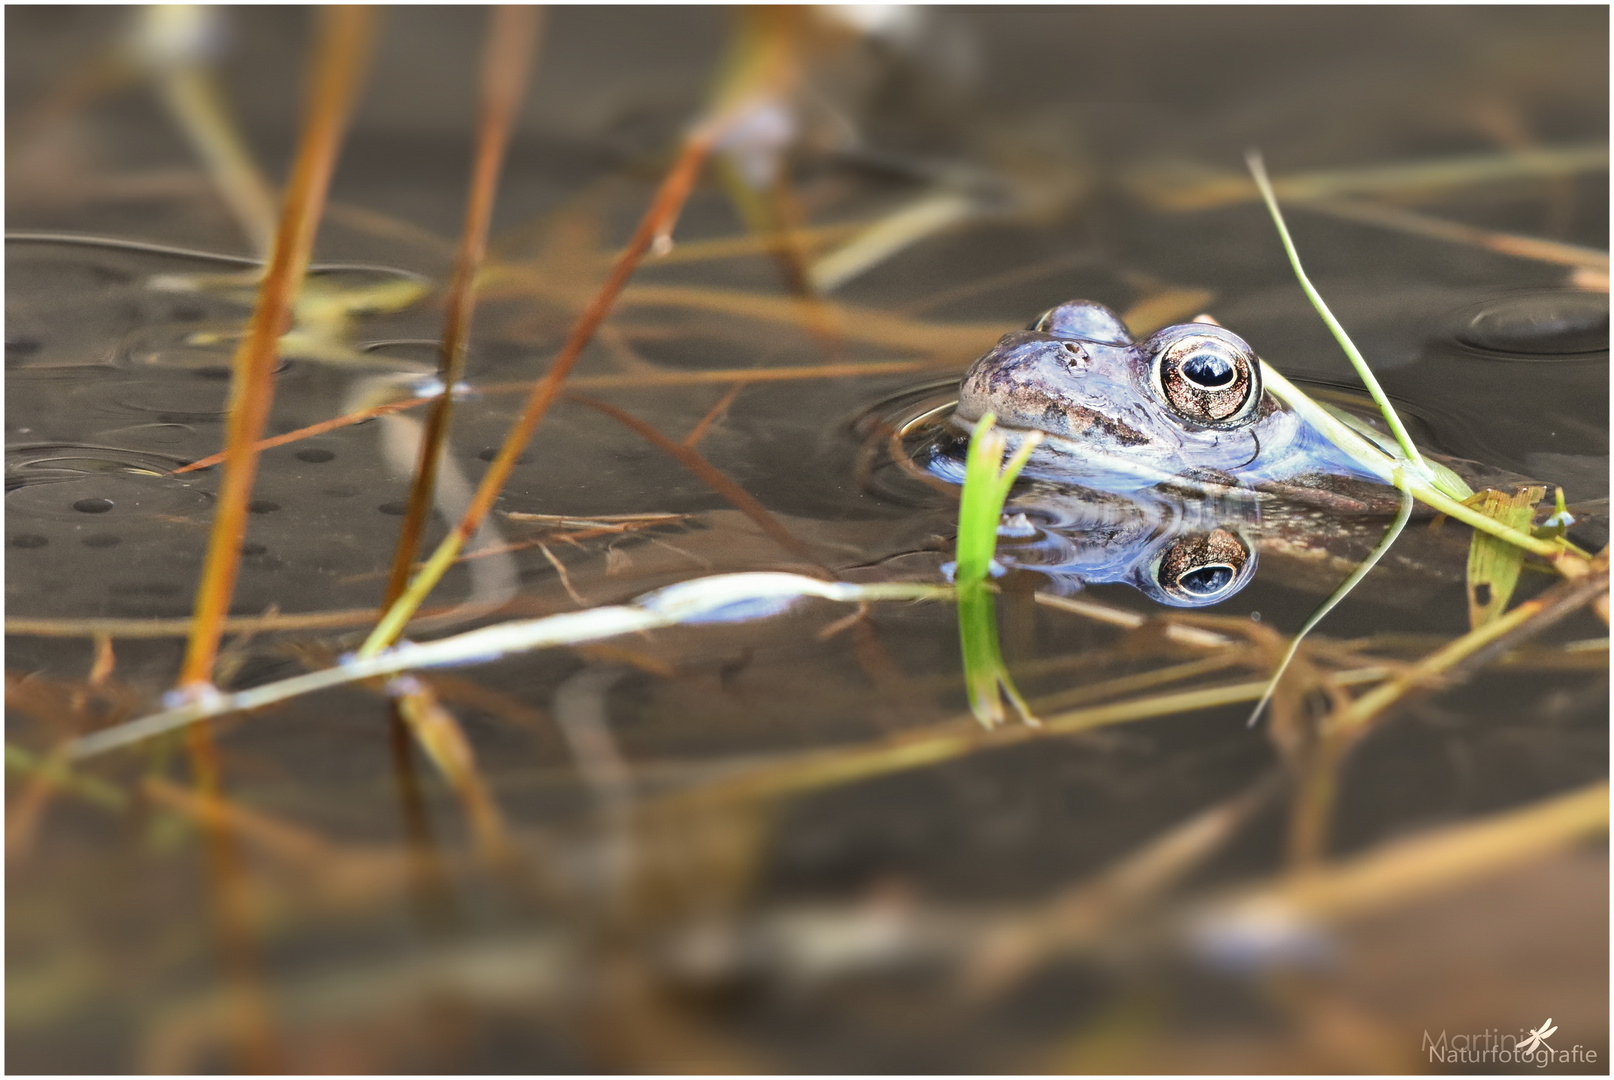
1087 423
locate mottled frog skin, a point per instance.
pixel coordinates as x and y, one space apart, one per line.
1121 415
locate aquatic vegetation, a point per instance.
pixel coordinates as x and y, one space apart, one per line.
1501 526
661 764
987 481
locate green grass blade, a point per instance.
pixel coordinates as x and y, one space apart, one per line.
89 788
980 509
1390 470
977 514
1258 169
1403 515
1443 478
1432 484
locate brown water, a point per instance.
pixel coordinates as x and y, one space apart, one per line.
787 850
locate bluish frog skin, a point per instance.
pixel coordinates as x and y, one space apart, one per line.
1121 415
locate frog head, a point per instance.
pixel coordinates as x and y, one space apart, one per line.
1187 398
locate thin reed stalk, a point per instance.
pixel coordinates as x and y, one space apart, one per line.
343 46
512 35
341 49
663 211
714 478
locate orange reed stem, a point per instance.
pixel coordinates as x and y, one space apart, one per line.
664 208
341 51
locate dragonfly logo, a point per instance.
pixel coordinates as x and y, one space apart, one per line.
1538 1038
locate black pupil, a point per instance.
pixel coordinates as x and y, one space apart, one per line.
1208 369
1206 580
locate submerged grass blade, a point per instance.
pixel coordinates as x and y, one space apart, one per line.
1493 566
1258 170
50 766
443 740
1403 515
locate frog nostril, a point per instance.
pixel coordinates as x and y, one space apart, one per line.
1074 354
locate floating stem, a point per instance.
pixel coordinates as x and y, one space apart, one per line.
719 598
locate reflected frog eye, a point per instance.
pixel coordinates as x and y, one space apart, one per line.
1205 580
1206 375
1202 568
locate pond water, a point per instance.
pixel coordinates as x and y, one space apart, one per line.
784 844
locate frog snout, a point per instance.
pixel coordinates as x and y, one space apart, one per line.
1075 390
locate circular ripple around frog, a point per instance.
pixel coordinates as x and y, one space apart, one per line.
897 436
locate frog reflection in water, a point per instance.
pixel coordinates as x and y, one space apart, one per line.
1146 448
1178 548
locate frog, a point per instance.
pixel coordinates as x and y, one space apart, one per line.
1184 405
1164 464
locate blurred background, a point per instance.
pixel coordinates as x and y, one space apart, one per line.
786 846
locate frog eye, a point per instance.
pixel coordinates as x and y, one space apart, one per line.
1203 568
1206 375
